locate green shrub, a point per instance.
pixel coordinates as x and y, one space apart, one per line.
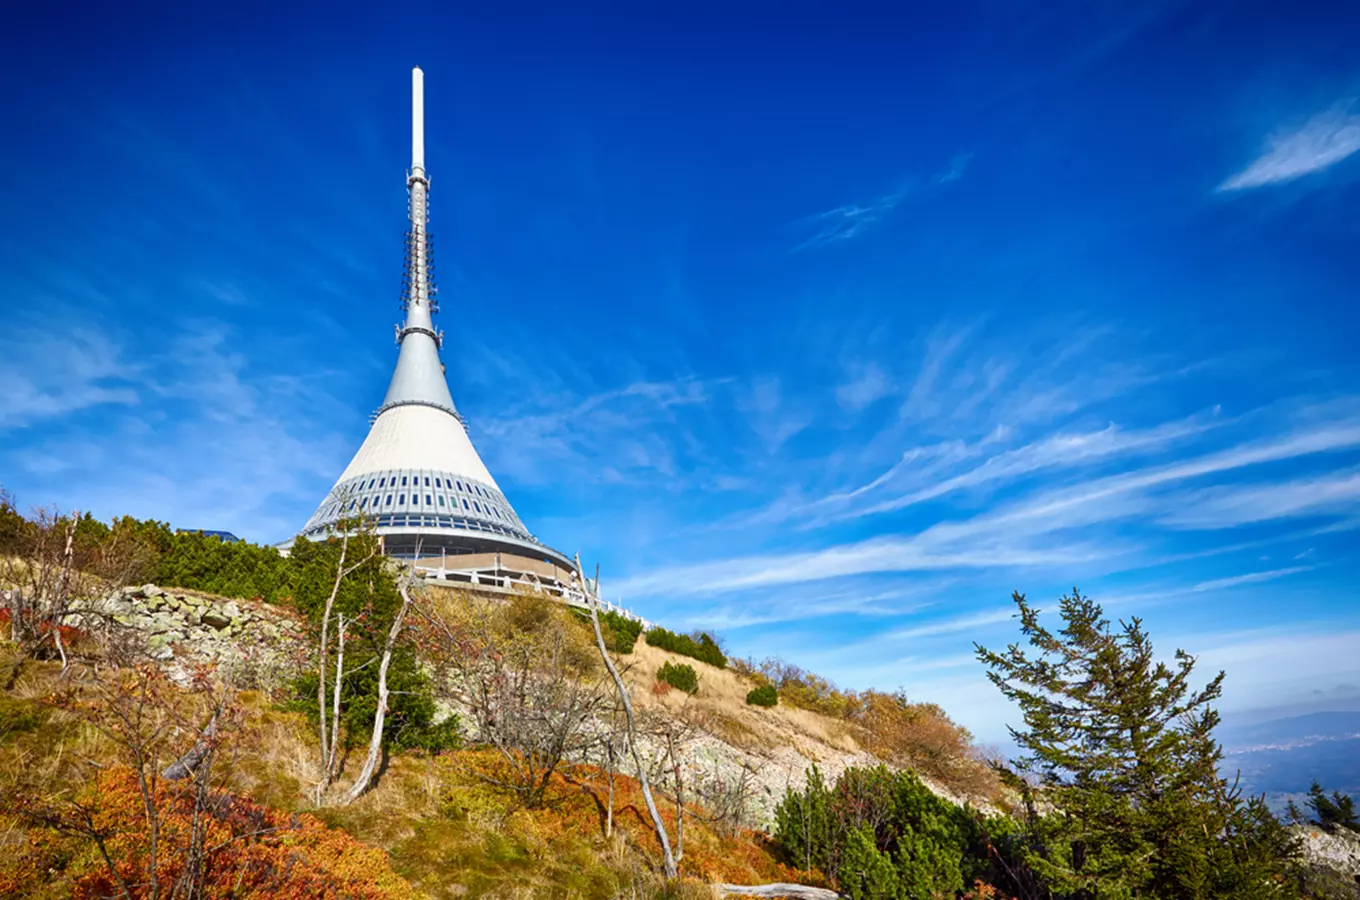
883 834
765 695
705 649
681 677
620 632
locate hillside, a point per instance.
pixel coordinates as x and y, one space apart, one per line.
429 815
361 734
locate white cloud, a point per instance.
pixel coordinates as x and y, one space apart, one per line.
46 376
1323 141
869 385
1032 531
852 220
211 442
1225 507
1249 578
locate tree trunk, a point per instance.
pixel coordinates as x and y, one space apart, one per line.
786 891
609 810
679 798
335 699
375 743
667 860
187 764
321 668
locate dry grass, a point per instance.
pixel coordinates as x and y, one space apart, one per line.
445 829
722 701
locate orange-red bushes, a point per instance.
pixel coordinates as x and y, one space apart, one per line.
73 639
922 735
242 848
575 808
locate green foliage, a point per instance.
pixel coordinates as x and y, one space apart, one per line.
867 873
202 562
1336 811
765 695
368 599
410 722
1123 747
620 632
13 525
704 649
682 677
884 834
19 717
133 551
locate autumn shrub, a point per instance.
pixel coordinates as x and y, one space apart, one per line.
922 736
704 648
905 733
680 676
227 847
765 695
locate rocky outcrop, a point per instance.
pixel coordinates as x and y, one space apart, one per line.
1331 860
253 644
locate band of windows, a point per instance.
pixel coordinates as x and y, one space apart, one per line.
382 494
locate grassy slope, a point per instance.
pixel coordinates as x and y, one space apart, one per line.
722 696
446 830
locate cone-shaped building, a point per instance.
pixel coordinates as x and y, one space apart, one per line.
417 479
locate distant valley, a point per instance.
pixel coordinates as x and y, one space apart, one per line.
1281 757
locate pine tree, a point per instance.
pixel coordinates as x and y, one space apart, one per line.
1122 746
1336 811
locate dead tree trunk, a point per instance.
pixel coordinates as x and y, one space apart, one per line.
679 797
335 698
667 860
609 809
784 891
375 743
187 764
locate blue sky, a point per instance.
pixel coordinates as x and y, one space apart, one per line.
826 329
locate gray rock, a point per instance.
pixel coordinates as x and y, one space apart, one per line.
215 619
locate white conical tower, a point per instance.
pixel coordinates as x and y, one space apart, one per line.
417 478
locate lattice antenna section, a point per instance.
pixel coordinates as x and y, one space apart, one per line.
411 266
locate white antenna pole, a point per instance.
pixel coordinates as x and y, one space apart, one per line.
417 119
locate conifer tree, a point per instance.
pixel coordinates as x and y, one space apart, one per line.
1336 811
1122 745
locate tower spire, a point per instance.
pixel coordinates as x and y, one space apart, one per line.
417 119
419 377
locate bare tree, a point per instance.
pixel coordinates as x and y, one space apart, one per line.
530 683
380 714
592 592
145 718
330 737
728 798
51 564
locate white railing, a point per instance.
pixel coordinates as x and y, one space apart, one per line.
504 581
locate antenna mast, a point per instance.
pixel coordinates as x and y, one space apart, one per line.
418 290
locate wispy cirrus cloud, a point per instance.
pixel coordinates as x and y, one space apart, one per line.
1218 584
1044 527
1323 141
48 376
1227 507
852 220
193 429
